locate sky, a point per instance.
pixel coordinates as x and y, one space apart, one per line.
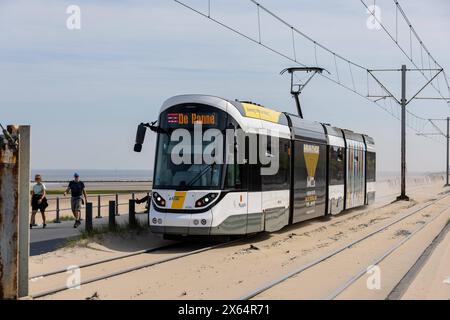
84 91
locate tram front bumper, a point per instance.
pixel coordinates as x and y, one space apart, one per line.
180 223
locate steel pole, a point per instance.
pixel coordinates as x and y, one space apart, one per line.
448 136
403 195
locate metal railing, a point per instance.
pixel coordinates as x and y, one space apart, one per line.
57 203
112 213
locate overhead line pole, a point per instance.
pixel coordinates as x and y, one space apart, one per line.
448 142
447 137
403 195
403 102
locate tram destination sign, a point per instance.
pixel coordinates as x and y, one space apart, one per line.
180 119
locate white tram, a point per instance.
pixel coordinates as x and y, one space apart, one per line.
321 170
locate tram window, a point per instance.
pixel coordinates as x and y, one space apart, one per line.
235 177
336 170
371 166
280 180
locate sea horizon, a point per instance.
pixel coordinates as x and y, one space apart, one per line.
58 175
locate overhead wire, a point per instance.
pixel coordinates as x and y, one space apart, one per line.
337 80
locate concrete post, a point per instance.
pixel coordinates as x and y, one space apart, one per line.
112 214
89 226
132 213
24 208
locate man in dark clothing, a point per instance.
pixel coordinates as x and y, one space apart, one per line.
78 191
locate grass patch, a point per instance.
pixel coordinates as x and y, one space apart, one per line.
64 218
123 230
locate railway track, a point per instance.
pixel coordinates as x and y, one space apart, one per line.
104 264
348 282
90 264
132 254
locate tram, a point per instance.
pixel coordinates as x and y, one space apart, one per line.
320 169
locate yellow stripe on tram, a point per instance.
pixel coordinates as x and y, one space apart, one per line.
178 199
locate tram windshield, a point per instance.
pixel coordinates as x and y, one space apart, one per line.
194 174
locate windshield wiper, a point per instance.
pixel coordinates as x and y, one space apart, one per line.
200 174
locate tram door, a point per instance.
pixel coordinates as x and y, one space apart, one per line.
309 180
275 187
355 174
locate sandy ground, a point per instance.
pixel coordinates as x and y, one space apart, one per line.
234 270
433 282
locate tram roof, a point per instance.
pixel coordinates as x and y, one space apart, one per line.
302 128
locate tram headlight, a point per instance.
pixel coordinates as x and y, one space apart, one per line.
160 201
204 201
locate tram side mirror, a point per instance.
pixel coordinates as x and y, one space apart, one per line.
140 137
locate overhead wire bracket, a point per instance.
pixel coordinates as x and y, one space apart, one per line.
297 87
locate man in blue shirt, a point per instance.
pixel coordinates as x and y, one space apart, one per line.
78 191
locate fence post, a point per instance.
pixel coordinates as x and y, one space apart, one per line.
112 214
132 213
57 211
117 205
99 207
88 222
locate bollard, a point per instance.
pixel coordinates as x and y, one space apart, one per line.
112 214
99 207
132 213
133 196
57 211
117 205
88 222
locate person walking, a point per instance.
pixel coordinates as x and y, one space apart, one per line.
77 191
38 201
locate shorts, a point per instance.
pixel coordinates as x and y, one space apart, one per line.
76 203
35 205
